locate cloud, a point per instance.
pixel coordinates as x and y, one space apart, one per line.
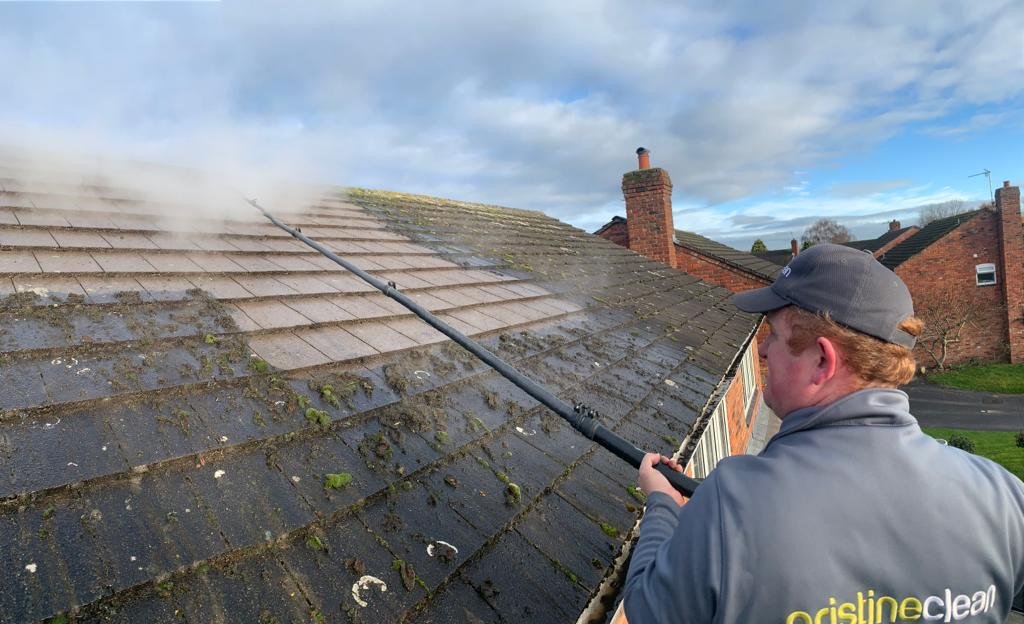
867 187
531 104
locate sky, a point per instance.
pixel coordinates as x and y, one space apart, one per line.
767 116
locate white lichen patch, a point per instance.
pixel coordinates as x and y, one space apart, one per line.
526 432
218 474
223 438
670 383
431 547
296 478
363 583
31 568
421 374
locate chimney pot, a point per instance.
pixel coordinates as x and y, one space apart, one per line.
644 157
1006 184
894 225
794 247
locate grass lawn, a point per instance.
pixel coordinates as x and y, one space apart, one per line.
999 446
1005 378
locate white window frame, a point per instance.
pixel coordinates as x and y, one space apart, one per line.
748 374
985 269
713 445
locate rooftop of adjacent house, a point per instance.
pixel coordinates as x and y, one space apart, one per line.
707 247
778 257
874 244
747 262
202 419
921 240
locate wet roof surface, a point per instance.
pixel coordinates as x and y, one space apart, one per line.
204 420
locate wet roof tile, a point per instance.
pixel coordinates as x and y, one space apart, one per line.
319 310
272 314
336 343
128 240
67 262
123 262
13 237
286 351
73 238
381 337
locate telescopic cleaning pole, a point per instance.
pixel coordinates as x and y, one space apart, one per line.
579 416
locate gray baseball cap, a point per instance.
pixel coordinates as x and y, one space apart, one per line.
851 285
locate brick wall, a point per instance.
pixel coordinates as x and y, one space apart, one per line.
716 272
941 278
648 194
1011 267
617 233
738 411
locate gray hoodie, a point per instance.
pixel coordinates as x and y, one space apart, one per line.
850 515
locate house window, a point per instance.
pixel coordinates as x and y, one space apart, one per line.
713 445
747 370
985 274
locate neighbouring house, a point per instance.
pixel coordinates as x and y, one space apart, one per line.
876 246
204 420
649 215
893 236
966 274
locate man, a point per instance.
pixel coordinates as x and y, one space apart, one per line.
850 514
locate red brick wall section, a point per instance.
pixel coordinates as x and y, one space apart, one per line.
942 279
737 411
648 194
617 233
896 241
716 272
1011 265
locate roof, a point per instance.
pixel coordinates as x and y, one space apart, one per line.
615 221
202 419
778 257
874 244
733 257
921 240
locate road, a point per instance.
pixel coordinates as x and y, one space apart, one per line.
936 406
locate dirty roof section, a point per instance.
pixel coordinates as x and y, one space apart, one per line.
874 244
928 235
204 420
750 263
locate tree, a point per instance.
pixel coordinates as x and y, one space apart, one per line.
946 314
804 246
826 231
934 212
758 247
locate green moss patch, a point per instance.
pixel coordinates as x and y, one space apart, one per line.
337 481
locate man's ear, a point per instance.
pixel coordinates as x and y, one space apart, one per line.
829 360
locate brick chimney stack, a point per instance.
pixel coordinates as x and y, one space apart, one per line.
1011 269
794 247
894 225
648 194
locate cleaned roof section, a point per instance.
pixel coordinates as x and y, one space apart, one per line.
203 419
928 235
760 267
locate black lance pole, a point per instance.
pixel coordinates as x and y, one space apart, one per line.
579 416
